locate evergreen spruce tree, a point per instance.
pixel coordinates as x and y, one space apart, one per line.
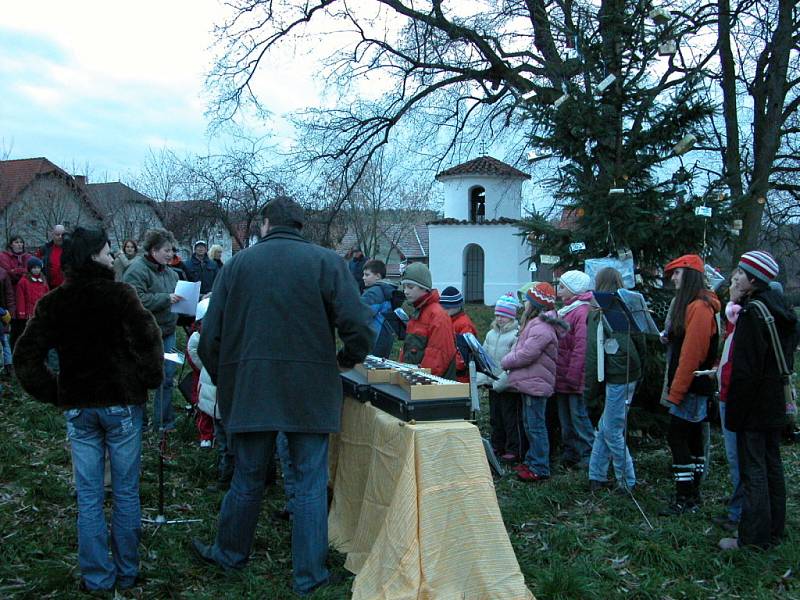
619 181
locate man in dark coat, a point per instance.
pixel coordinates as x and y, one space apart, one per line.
356 266
201 268
269 344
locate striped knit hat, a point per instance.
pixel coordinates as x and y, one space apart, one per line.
450 297
542 295
506 306
759 264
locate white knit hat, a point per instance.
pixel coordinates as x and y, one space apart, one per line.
576 282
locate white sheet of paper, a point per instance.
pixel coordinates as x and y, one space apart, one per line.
175 357
190 291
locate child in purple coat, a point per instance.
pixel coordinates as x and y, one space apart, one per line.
532 372
577 432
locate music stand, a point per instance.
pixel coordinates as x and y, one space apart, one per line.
161 519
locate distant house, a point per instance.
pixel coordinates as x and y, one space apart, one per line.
126 213
36 195
398 245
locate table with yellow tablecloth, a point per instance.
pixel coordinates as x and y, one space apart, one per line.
415 510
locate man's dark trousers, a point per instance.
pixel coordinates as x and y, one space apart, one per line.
238 515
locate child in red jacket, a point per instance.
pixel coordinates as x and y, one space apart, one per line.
30 288
430 341
452 302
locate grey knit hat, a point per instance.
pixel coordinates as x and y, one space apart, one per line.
417 274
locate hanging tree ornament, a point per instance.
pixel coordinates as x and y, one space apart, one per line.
668 48
683 146
659 16
603 85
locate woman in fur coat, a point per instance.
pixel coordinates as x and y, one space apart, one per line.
110 354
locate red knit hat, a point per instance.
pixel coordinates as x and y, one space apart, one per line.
687 261
542 294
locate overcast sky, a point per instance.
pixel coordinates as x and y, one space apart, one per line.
97 83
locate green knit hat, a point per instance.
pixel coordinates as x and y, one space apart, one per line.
417 274
524 290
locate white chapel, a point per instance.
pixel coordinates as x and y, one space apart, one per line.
475 247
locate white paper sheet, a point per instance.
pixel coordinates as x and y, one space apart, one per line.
190 292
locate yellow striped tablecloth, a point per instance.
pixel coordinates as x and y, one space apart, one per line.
415 510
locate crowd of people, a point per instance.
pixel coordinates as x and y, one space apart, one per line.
263 347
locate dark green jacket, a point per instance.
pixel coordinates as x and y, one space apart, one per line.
153 284
269 336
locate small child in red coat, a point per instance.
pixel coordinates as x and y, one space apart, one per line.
30 288
452 302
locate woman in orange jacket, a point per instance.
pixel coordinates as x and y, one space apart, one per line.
692 334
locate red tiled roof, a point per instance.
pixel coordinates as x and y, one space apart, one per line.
410 241
483 165
500 221
16 175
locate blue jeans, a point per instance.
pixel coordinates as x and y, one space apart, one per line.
6 350
238 516
577 433
163 414
609 442
533 417
737 497
693 408
286 469
93 432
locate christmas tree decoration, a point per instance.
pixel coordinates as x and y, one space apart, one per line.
761 200
668 48
549 259
703 211
532 155
529 95
683 146
561 100
577 247
616 191
659 16
532 267
737 224
603 85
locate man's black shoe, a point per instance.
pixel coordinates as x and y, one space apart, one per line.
202 552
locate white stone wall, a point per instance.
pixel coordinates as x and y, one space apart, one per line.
505 257
503 196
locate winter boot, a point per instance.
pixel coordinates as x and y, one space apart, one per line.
684 482
699 468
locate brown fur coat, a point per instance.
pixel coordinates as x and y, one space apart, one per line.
109 347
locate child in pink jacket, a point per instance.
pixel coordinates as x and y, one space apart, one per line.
532 372
577 432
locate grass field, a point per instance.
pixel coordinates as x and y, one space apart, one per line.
569 543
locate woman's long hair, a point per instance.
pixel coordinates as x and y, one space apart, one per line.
607 280
692 286
531 312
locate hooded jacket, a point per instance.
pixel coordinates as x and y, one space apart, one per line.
109 347
571 364
462 324
430 341
755 396
532 361
499 342
696 350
